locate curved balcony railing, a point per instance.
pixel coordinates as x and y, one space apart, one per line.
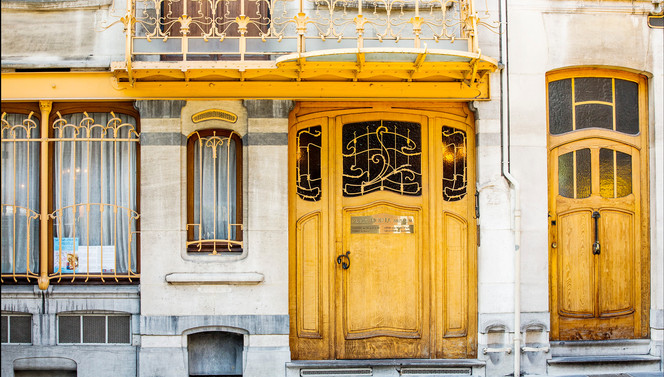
264 30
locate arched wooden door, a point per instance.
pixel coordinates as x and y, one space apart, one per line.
598 215
382 249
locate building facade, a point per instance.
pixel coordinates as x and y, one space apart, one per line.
278 188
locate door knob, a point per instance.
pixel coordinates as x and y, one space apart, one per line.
344 260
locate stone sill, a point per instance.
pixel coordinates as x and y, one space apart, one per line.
107 291
217 278
602 359
54 4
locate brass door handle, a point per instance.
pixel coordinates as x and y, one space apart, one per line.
596 246
344 260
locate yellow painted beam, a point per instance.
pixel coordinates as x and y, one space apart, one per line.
77 86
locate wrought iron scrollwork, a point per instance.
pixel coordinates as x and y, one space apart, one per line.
455 178
308 173
382 155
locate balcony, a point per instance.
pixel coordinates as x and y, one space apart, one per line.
306 40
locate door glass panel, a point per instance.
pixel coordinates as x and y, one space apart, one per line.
381 155
566 175
307 166
560 106
606 173
615 173
593 89
623 174
593 115
454 164
574 174
583 184
627 107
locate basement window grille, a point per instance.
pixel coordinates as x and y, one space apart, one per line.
94 329
16 329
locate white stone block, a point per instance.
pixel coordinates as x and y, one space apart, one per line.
496 297
162 341
160 125
268 188
268 125
161 191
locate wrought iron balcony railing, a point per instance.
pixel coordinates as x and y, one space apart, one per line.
262 34
260 29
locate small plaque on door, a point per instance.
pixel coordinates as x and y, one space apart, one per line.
382 224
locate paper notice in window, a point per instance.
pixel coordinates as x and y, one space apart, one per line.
70 257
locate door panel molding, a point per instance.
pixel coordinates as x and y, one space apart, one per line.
406 272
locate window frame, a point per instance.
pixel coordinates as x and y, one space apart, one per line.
212 247
66 108
25 108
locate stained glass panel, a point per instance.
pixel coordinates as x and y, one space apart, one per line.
566 175
308 172
627 107
583 175
623 174
593 89
454 164
382 155
560 106
606 173
594 115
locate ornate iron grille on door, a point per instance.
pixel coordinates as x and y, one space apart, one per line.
454 164
308 163
382 155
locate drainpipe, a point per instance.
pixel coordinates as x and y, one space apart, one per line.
514 184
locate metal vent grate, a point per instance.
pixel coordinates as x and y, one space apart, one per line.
94 329
119 329
5 329
69 329
436 371
17 328
337 372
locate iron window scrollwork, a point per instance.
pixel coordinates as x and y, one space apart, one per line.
214 191
382 155
89 182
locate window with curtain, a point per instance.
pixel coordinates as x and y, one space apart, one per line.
20 193
94 193
91 193
214 191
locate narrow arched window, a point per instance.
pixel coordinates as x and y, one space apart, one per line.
214 191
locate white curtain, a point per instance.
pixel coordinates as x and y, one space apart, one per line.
20 195
215 187
94 192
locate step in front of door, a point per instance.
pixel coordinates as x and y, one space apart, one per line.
600 347
584 365
386 368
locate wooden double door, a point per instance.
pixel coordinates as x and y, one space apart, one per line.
598 218
382 251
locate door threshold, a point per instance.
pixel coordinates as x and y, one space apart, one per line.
386 368
387 363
